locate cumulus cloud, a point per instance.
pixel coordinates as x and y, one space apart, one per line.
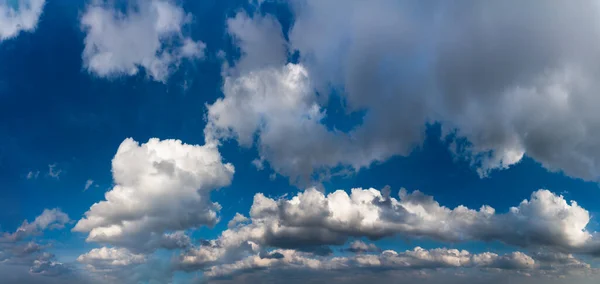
148 35
104 258
161 188
508 91
19 16
33 174
312 220
362 247
278 105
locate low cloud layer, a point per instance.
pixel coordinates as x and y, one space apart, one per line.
312 220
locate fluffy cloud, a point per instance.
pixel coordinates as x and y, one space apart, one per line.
19 15
161 188
260 39
278 105
312 220
149 36
106 258
46 265
509 91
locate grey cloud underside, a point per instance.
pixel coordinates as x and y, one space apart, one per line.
301 226
512 81
20 249
418 263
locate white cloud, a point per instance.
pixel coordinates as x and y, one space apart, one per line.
21 249
161 187
510 92
417 259
149 36
279 105
49 219
19 16
260 39
312 220
88 184
237 219
46 265
104 258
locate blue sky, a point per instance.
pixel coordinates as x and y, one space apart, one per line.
300 116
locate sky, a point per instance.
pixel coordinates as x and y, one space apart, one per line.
305 141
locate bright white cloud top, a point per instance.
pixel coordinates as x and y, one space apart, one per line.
161 187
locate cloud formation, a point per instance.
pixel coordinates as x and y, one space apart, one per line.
19 16
147 35
161 187
508 91
312 220
429 262
20 248
48 220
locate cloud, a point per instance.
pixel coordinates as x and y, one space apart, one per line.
509 92
121 265
20 248
33 174
161 187
88 184
104 258
428 262
19 16
148 35
49 219
277 105
311 220
53 172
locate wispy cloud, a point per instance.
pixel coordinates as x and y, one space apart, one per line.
53 171
88 184
33 174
